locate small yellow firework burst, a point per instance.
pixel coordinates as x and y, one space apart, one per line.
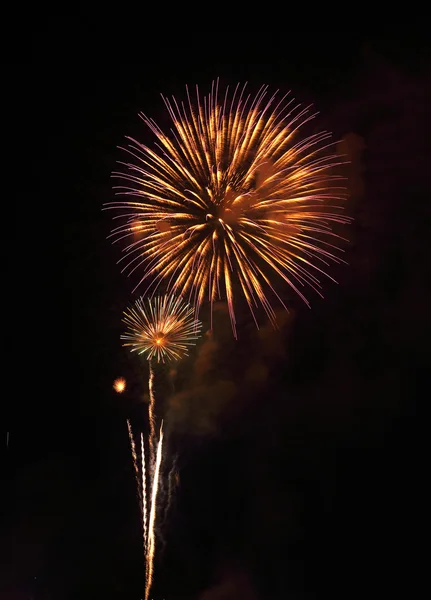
161 328
119 385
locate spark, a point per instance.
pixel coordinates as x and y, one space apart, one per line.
173 480
232 202
152 520
132 445
151 409
119 385
162 328
134 456
144 492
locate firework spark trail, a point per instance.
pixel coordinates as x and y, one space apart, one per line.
144 492
152 521
172 484
232 201
151 413
134 456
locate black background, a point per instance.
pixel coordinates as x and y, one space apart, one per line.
307 483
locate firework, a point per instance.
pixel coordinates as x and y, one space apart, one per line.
234 199
161 328
119 385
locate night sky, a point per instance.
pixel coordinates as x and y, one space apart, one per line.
300 454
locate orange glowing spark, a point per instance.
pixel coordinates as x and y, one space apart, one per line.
119 385
162 328
233 200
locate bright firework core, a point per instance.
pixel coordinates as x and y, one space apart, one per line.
161 328
119 385
233 202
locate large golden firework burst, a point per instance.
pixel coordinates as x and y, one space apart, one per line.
232 200
161 328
